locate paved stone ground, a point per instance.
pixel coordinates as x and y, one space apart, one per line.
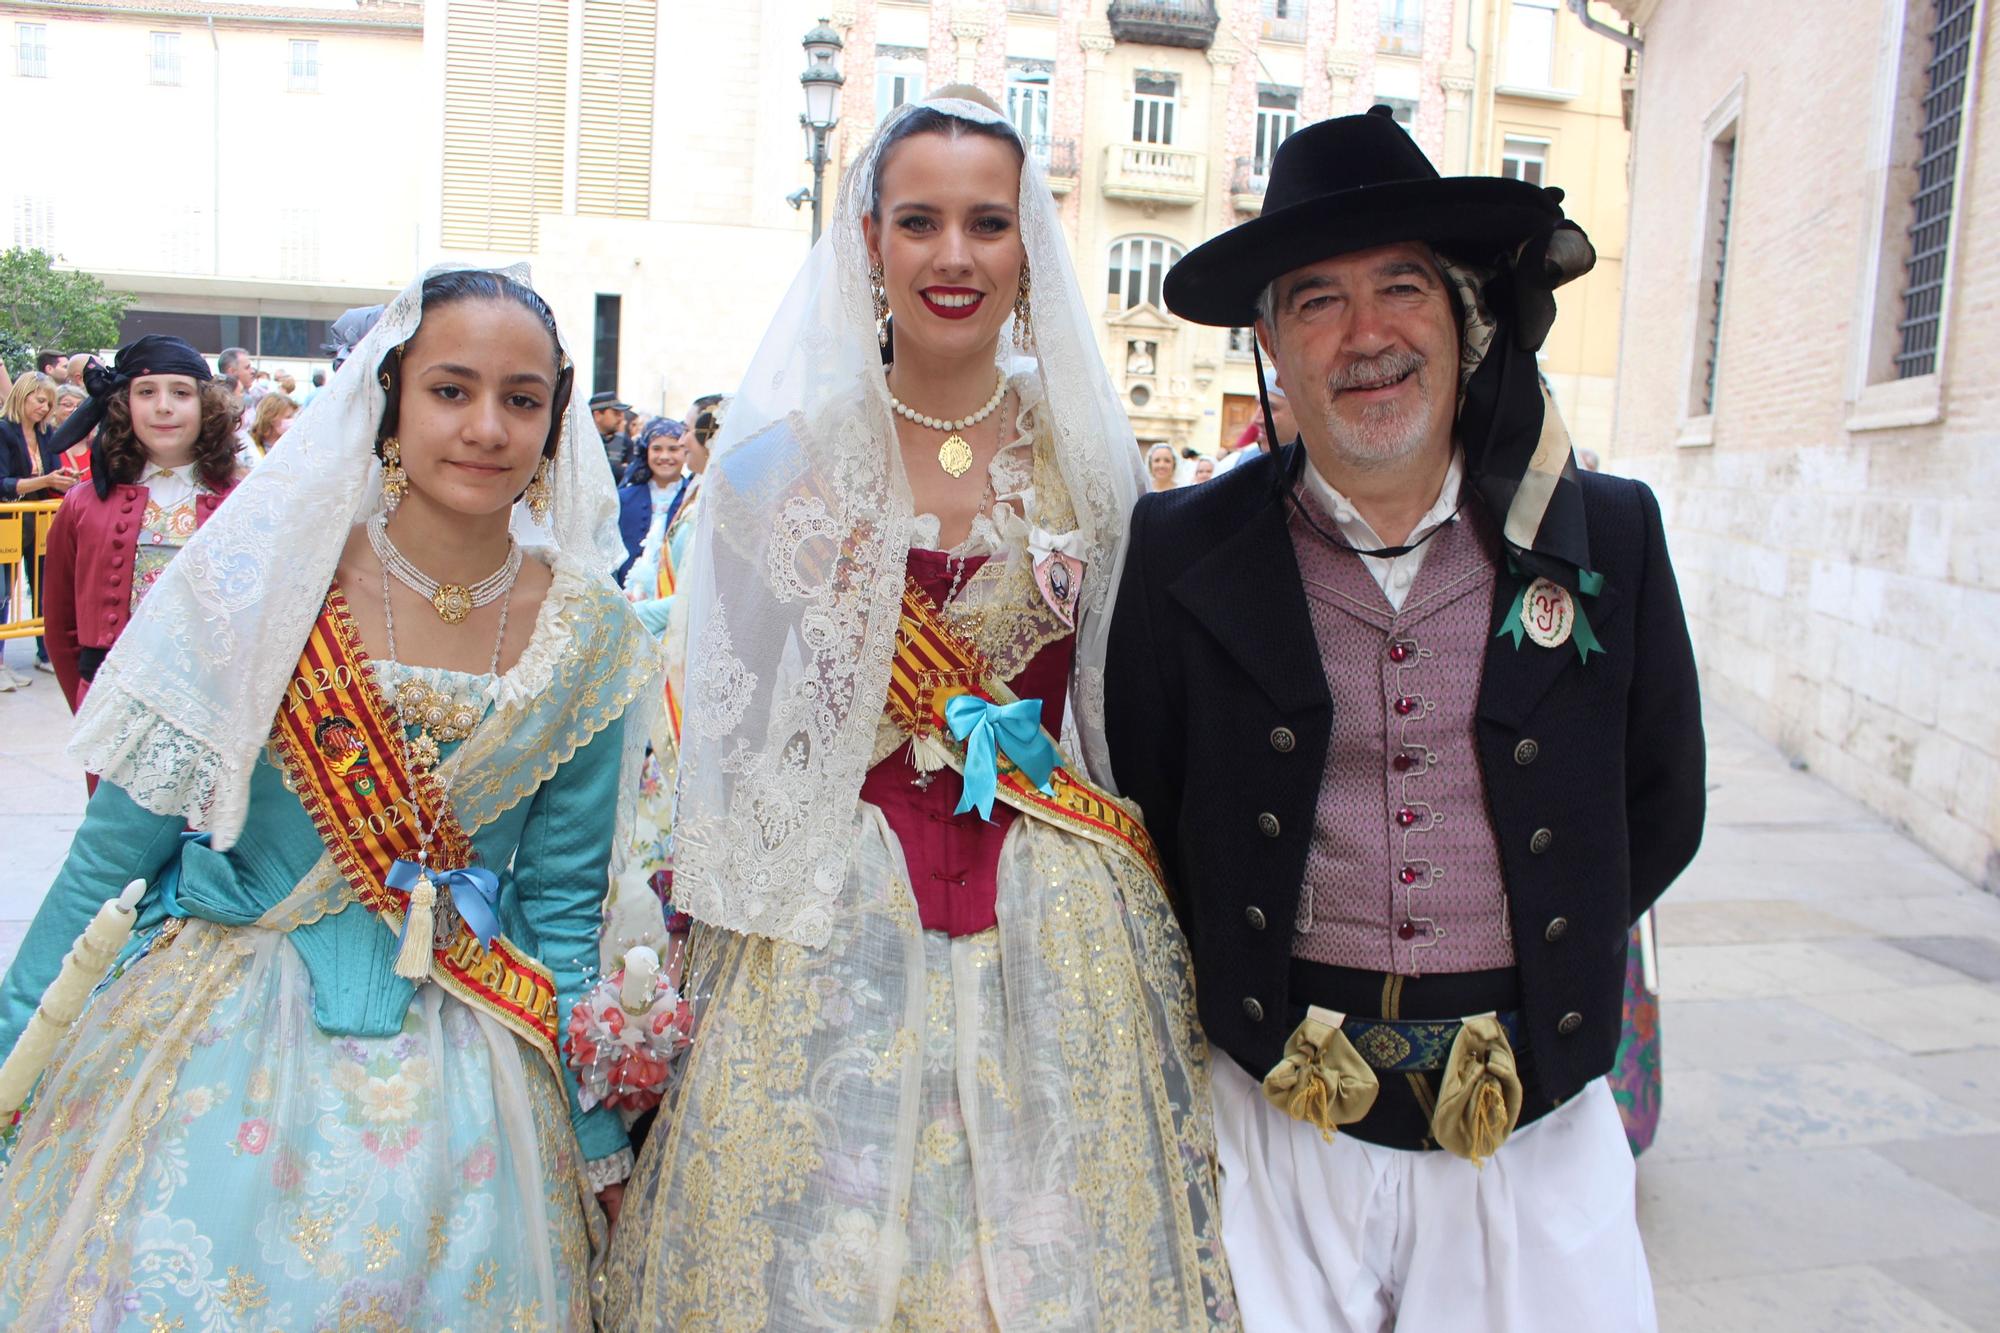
1829 1155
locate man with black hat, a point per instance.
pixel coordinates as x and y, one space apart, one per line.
608 414
1411 710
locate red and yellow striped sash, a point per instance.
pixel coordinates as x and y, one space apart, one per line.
344 753
665 585
933 665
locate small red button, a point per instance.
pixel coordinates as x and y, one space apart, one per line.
1406 705
1406 816
1402 763
1398 651
1408 874
1406 931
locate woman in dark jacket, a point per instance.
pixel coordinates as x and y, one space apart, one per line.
30 469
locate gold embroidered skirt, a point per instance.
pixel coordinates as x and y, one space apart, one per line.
904 1130
201 1155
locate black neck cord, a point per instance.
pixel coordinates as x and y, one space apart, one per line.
1380 553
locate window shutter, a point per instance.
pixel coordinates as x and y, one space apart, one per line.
614 151
505 120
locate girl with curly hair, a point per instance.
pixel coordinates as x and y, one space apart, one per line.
163 459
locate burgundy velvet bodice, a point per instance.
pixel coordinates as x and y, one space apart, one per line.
953 858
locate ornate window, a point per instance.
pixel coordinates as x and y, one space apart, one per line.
1138 267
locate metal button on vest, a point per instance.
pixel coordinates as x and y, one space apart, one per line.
1267 824
1557 929
1569 1023
1526 753
1254 917
1542 840
1282 740
1253 1010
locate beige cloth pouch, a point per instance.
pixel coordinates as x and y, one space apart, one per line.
1479 1101
1322 1080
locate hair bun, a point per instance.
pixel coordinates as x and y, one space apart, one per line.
965 92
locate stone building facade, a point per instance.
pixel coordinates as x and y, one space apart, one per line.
1812 321
1086 80
278 191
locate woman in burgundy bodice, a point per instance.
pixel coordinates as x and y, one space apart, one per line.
946 1070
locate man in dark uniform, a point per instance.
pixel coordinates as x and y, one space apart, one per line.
607 413
1411 711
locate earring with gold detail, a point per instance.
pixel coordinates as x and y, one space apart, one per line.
395 481
1024 332
540 495
880 293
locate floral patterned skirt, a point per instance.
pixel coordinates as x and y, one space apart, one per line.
903 1129
202 1156
1635 1078
652 826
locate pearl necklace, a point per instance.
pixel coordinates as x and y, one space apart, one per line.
452 601
954 455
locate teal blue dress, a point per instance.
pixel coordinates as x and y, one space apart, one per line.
256 1123
652 826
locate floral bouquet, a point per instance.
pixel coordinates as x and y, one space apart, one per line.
624 1035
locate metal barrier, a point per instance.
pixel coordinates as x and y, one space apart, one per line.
18 521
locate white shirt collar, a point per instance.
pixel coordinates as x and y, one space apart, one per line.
1356 529
183 473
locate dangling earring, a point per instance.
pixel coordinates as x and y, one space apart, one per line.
395 481
881 295
539 495
1024 332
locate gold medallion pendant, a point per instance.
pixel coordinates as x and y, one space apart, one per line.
954 456
452 602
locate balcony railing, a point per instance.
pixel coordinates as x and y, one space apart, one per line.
1144 173
1402 36
1189 23
1291 29
1059 162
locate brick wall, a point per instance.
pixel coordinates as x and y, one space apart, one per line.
1843 584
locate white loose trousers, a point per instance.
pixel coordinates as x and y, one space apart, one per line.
1348 1237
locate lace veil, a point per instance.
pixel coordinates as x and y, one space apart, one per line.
794 580
183 705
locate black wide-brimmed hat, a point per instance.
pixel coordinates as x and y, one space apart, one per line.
1348 184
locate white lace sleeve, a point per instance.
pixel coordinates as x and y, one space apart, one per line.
605 1172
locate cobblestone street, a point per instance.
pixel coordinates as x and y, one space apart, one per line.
1829 1153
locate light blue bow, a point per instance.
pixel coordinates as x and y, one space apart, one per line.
987 728
475 892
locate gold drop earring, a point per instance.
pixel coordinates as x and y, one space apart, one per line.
395 481
539 495
1024 332
881 297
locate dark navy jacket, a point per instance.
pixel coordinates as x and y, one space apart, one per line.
1219 720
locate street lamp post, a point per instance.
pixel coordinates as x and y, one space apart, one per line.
822 82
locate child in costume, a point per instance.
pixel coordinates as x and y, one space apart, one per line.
323 1086
162 458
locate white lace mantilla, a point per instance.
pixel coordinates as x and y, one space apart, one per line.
182 707
793 584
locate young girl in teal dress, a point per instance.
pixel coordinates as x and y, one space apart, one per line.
322 1088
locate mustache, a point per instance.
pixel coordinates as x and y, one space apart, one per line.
1375 370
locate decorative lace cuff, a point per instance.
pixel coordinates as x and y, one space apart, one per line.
608 1171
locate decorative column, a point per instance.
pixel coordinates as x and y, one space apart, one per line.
1222 62
1094 37
966 30
1343 68
1459 150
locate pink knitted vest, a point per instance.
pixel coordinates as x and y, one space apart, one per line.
1404 872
